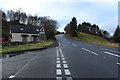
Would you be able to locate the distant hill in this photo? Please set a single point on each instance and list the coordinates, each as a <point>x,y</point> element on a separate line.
<point>84,37</point>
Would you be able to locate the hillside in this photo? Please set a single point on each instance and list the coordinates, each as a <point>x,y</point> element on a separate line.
<point>83,37</point>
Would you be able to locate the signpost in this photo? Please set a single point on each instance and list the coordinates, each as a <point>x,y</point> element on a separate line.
<point>42,33</point>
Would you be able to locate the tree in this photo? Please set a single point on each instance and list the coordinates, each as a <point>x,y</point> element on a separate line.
<point>73,27</point>
<point>116,36</point>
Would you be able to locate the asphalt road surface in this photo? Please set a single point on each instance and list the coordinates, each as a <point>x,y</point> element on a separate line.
<point>72,59</point>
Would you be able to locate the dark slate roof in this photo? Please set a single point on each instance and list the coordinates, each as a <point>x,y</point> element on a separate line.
<point>24,29</point>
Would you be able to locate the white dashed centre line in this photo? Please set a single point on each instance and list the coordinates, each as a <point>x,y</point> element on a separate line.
<point>57,53</point>
<point>74,45</point>
<point>89,51</point>
<point>65,65</point>
<point>67,72</point>
<point>64,62</point>
<point>58,66</point>
<point>58,72</point>
<point>57,61</point>
<point>112,54</point>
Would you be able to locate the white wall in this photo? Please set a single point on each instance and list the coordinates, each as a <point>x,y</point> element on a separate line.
<point>16,37</point>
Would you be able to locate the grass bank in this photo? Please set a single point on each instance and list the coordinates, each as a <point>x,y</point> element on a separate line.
<point>88,38</point>
<point>26,46</point>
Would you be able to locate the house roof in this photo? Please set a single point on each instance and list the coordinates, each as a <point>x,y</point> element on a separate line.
<point>24,29</point>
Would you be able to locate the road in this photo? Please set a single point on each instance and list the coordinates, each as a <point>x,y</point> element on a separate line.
<point>72,59</point>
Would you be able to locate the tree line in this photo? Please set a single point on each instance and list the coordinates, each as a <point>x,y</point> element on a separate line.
<point>20,17</point>
<point>72,29</point>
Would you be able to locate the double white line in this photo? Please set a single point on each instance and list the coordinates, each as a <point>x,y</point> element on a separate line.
<point>60,61</point>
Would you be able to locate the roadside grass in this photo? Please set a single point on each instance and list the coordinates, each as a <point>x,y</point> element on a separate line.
<point>88,38</point>
<point>26,46</point>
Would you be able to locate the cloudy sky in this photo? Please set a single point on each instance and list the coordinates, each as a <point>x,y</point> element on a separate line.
<point>103,13</point>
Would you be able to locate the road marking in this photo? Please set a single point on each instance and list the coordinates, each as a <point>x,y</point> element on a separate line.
<point>60,50</point>
<point>59,43</point>
<point>64,62</point>
<point>57,53</point>
<point>69,78</point>
<point>118,63</point>
<point>62,55</point>
<point>57,61</point>
<point>58,78</point>
<point>12,76</point>
<point>67,72</point>
<point>65,65</point>
<point>74,45</point>
<point>63,58</point>
<point>111,54</point>
<point>111,50</point>
<point>58,72</point>
<point>58,66</point>
<point>58,58</point>
<point>89,51</point>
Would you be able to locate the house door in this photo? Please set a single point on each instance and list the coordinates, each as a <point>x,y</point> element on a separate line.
<point>24,39</point>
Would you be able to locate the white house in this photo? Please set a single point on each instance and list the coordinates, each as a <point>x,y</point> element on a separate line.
<point>23,33</point>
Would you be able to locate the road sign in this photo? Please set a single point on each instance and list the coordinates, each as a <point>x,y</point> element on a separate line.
<point>42,30</point>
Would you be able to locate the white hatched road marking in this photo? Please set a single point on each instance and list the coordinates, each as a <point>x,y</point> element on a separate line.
<point>69,78</point>
<point>64,62</point>
<point>111,54</point>
<point>58,78</point>
<point>58,72</point>
<point>12,76</point>
<point>74,45</point>
<point>67,72</point>
<point>89,51</point>
<point>118,63</point>
<point>65,65</point>
<point>57,61</point>
<point>58,65</point>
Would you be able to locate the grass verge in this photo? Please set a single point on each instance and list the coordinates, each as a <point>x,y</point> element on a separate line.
<point>88,38</point>
<point>26,46</point>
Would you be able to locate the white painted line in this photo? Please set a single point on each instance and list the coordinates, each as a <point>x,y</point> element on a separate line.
<point>67,72</point>
<point>58,58</point>
<point>65,65</point>
<point>57,61</point>
<point>12,76</point>
<point>111,54</point>
<point>60,50</point>
<point>58,72</point>
<point>69,78</point>
<point>111,50</point>
<point>62,55</point>
<point>89,51</point>
<point>74,45</point>
<point>58,78</point>
<point>57,53</point>
<point>58,65</point>
<point>118,63</point>
<point>64,62</point>
<point>63,58</point>
<point>59,43</point>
